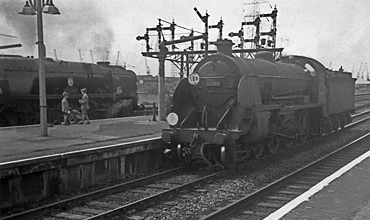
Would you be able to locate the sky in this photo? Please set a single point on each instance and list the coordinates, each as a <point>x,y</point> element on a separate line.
<point>335,32</point>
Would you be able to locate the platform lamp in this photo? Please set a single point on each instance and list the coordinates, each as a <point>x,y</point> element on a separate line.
<point>36,7</point>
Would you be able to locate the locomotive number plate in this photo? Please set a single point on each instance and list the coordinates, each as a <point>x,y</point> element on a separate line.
<point>213,83</point>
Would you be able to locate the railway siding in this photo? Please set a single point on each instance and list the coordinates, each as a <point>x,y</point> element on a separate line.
<point>39,178</point>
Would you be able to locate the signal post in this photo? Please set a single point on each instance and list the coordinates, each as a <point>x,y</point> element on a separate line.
<point>192,57</point>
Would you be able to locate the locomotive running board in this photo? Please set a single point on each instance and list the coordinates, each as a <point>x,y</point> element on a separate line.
<point>206,136</point>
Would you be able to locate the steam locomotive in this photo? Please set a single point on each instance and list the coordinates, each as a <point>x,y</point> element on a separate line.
<point>112,89</point>
<point>230,107</point>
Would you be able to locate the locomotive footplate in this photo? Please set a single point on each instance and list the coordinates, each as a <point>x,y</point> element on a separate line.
<point>188,135</point>
<point>215,147</point>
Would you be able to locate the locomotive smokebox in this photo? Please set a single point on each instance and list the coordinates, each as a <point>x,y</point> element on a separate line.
<point>224,47</point>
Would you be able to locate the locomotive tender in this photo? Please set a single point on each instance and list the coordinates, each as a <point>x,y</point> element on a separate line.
<point>112,89</point>
<point>230,107</point>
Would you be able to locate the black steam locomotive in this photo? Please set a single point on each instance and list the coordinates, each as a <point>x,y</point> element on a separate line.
<point>230,107</point>
<point>112,89</point>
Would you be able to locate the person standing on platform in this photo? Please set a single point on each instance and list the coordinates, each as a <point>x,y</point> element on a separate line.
<point>65,108</point>
<point>84,101</point>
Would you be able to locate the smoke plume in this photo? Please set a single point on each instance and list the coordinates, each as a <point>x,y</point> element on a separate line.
<point>81,25</point>
<point>25,26</point>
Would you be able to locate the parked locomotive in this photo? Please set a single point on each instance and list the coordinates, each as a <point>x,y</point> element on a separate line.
<point>230,107</point>
<point>112,89</point>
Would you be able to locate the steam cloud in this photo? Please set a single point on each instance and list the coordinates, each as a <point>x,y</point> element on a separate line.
<point>336,34</point>
<point>25,26</point>
<point>80,25</point>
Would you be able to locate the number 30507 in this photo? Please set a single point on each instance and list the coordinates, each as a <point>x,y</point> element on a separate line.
<point>213,83</point>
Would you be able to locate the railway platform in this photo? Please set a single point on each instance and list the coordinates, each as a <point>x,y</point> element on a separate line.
<point>23,142</point>
<point>343,195</point>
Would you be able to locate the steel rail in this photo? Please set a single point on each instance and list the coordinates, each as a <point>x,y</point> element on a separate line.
<point>249,200</point>
<point>125,186</point>
<point>163,195</point>
<point>362,94</point>
<point>91,195</point>
<point>360,114</point>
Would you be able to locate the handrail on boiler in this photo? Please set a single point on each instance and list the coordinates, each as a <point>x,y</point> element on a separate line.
<point>183,121</point>
<point>223,117</point>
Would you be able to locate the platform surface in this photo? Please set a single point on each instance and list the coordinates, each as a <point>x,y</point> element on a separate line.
<point>345,197</point>
<point>23,142</point>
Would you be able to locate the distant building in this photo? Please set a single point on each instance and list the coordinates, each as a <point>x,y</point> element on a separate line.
<point>148,87</point>
<point>149,84</point>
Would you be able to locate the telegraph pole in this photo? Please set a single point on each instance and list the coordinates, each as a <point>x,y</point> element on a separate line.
<point>161,81</point>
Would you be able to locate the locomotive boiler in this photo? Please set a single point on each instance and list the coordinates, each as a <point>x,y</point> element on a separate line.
<point>231,107</point>
<point>112,89</point>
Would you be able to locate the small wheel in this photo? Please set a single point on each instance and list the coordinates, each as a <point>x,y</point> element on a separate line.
<point>342,119</point>
<point>335,122</point>
<point>258,150</point>
<point>347,117</point>
<point>177,153</point>
<point>223,155</point>
<point>228,156</point>
<point>272,145</point>
<point>326,126</point>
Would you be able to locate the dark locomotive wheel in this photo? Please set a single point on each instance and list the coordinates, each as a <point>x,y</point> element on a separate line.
<point>223,154</point>
<point>326,126</point>
<point>347,117</point>
<point>272,145</point>
<point>335,122</point>
<point>259,150</point>
<point>180,153</point>
<point>177,155</point>
<point>303,126</point>
<point>315,127</point>
<point>342,120</point>
<point>228,156</point>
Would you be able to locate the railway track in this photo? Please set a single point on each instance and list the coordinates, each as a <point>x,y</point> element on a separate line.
<point>359,106</point>
<point>362,101</point>
<point>120,200</point>
<point>77,200</point>
<point>112,201</point>
<point>265,201</point>
<point>357,115</point>
<point>269,199</point>
<point>220,184</point>
<point>359,95</point>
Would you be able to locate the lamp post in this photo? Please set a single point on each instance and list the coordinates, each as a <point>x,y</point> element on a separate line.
<point>36,9</point>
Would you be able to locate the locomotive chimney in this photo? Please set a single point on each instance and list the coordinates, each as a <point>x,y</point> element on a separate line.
<point>265,55</point>
<point>224,47</point>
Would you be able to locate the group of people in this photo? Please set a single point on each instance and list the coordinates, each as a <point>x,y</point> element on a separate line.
<point>76,115</point>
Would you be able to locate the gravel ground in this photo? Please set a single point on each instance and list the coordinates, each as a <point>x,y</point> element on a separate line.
<point>250,177</point>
